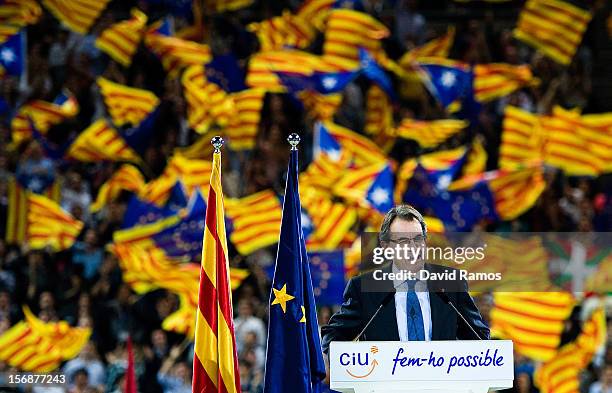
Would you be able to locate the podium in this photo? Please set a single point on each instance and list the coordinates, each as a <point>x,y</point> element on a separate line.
<point>421,366</point>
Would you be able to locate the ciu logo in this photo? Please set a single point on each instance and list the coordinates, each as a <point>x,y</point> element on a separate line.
<point>359,364</point>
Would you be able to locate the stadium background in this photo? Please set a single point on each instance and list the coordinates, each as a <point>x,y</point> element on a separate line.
<point>98,232</point>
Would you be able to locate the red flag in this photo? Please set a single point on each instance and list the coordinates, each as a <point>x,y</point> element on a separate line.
<point>130,375</point>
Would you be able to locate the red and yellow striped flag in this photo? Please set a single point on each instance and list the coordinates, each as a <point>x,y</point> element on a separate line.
<point>215,362</point>
<point>522,139</point>
<point>121,40</point>
<point>101,142</point>
<point>207,103</point>
<point>125,104</point>
<point>579,145</point>
<point>495,80</point>
<point>286,30</point>
<point>198,150</point>
<point>553,27</point>
<point>244,125</point>
<point>15,14</point>
<point>561,374</point>
<point>256,221</point>
<point>438,47</point>
<point>226,5</point>
<point>361,149</point>
<point>128,178</point>
<point>533,321</point>
<point>34,345</point>
<point>175,53</point>
<point>348,30</point>
<point>320,106</point>
<point>379,118</point>
<point>43,115</point>
<point>429,133</point>
<point>49,225</point>
<point>77,15</point>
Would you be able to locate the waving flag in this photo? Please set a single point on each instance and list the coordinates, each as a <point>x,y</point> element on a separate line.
<point>226,5</point>
<point>34,345</point>
<point>335,140</point>
<point>77,15</point>
<point>101,142</point>
<point>294,360</point>
<point>244,125</point>
<point>522,139</point>
<point>215,362</point>
<point>533,323</point>
<point>379,118</point>
<point>16,14</point>
<point>255,221</point>
<point>374,72</point>
<point>561,374</point>
<point>13,56</point>
<point>447,80</point>
<point>316,11</point>
<point>284,31</point>
<point>207,103</point>
<point>370,187</point>
<point>553,27</point>
<point>42,115</point>
<point>127,105</point>
<point>49,225</point>
<point>496,80</point>
<point>121,40</point>
<point>175,53</point>
<point>348,30</point>
<point>128,178</point>
<point>429,133</point>
<point>320,107</point>
<point>438,47</point>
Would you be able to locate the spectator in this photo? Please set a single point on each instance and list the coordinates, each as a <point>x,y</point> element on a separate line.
<point>246,322</point>
<point>95,372</point>
<point>174,376</point>
<point>88,254</point>
<point>35,171</point>
<point>604,384</point>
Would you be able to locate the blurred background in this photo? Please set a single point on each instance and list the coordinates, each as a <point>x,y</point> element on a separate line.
<point>488,116</point>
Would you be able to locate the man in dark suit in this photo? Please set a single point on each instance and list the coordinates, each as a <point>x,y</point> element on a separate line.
<point>409,314</point>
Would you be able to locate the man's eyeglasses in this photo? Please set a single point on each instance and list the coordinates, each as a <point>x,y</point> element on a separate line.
<point>414,241</point>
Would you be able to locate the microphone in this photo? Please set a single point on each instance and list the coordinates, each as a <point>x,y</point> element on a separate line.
<point>384,302</point>
<point>447,300</point>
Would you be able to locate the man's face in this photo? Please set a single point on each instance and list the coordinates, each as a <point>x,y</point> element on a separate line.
<point>407,235</point>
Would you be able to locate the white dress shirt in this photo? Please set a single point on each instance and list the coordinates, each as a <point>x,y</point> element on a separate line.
<point>401,314</point>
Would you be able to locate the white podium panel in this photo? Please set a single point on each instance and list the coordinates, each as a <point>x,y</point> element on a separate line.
<point>425,366</point>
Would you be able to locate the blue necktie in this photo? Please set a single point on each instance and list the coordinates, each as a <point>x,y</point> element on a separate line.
<point>416,328</point>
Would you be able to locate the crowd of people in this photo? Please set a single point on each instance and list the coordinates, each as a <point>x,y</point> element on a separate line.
<point>83,285</point>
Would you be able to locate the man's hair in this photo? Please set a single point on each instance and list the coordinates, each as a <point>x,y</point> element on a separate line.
<point>404,212</point>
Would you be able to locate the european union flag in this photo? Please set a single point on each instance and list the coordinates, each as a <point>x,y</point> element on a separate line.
<point>459,210</point>
<point>447,81</point>
<point>374,72</point>
<point>327,270</point>
<point>178,198</point>
<point>294,361</point>
<point>139,212</point>
<point>380,193</point>
<point>13,54</point>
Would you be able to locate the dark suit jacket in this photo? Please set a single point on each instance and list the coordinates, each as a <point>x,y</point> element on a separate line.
<point>358,306</point>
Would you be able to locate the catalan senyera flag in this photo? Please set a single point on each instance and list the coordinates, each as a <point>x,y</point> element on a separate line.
<point>323,173</point>
<point>316,11</point>
<point>77,15</point>
<point>579,145</point>
<point>438,47</point>
<point>553,27</point>
<point>191,172</point>
<point>49,225</point>
<point>244,125</point>
<point>43,115</point>
<point>362,150</point>
<point>198,150</point>
<point>495,80</point>
<point>215,362</point>
<point>125,104</point>
<point>379,117</point>
<point>175,53</point>
<point>15,14</point>
<point>286,30</point>
<point>349,30</point>
<point>207,102</point>
<point>121,40</point>
<point>101,142</point>
<point>522,139</point>
<point>127,177</point>
<point>561,374</point>
<point>34,345</point>
<point>429,133</point>
<point>255,220</point>
<point>320,106</point>
<point>533,321</point>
